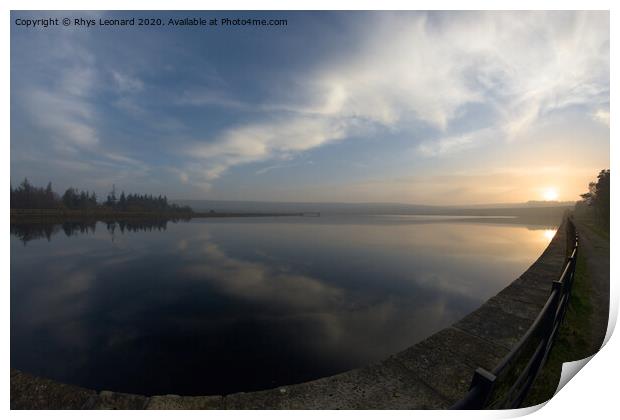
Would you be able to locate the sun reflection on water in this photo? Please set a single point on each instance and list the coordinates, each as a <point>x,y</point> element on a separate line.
<point>549,234</point>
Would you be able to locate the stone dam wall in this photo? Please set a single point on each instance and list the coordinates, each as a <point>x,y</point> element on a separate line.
<point>432,374</point>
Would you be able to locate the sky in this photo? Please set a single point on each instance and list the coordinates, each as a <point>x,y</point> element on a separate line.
<point>409,107</point>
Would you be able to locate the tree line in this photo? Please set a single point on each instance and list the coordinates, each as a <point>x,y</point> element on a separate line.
<point>597,198</point>
<point>28,196</point>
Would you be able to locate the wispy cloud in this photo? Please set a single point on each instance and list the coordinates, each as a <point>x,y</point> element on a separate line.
<point>454,144</point>
<point>270,168</point>
<point>62,101</point>
<point>127,83</point>
<point>262,141</point>
<point>426,69</point>
<point>601,115</point>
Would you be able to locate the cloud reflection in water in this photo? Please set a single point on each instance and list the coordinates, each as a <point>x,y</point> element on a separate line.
<point>223,306</point>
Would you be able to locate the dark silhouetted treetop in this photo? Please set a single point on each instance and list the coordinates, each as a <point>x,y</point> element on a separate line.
<point>27,196</point>
<point>598,197</point>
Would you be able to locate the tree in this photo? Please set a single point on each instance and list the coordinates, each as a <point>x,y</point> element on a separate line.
<point>50,199</point>
<point>122,201</point>
<point>111,200</point>
<point>597,197</point>
<point>70,198</point>
<point>79,200</point>
<point>27,196</point>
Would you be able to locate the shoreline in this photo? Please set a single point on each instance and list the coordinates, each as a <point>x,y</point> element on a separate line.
<point>62,215</point>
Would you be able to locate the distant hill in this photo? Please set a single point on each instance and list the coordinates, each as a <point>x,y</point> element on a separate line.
<point>528,204</point>
<point>533,213</point>
<point>370,208</point>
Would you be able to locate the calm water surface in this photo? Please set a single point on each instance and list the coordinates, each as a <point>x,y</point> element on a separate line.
<point>223,305</point>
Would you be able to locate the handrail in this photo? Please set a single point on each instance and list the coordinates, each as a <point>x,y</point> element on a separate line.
<point>549,319</point>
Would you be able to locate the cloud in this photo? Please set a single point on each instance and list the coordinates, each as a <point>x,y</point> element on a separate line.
<point>602,116</point>
<point>523,65</point>
<point>270,168</point>
<point>427,69</point>
<point>405,67</point>
<point>204,97</point>
<point>60,99</point>
<point>68,119</point>
<point>454,144</point>
<point>253,281</point>
<point>127,83</point>
<point>262,141</point>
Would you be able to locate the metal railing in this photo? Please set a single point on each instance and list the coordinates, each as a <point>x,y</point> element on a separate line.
<point>507,385</point>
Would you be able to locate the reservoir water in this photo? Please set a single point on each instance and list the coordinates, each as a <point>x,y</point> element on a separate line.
<point>214,306</point>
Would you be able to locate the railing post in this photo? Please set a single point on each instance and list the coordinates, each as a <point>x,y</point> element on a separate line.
<point>483,380</point>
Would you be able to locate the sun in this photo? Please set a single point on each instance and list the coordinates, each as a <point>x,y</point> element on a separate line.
<point>550,194</point>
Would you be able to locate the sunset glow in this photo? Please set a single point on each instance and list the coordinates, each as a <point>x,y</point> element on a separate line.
<point>550,194</point>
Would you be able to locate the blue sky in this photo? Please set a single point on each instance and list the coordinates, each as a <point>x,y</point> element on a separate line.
<point>437,108</point>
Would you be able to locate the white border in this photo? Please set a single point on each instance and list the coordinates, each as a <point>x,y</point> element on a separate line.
<point>591,395</point>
